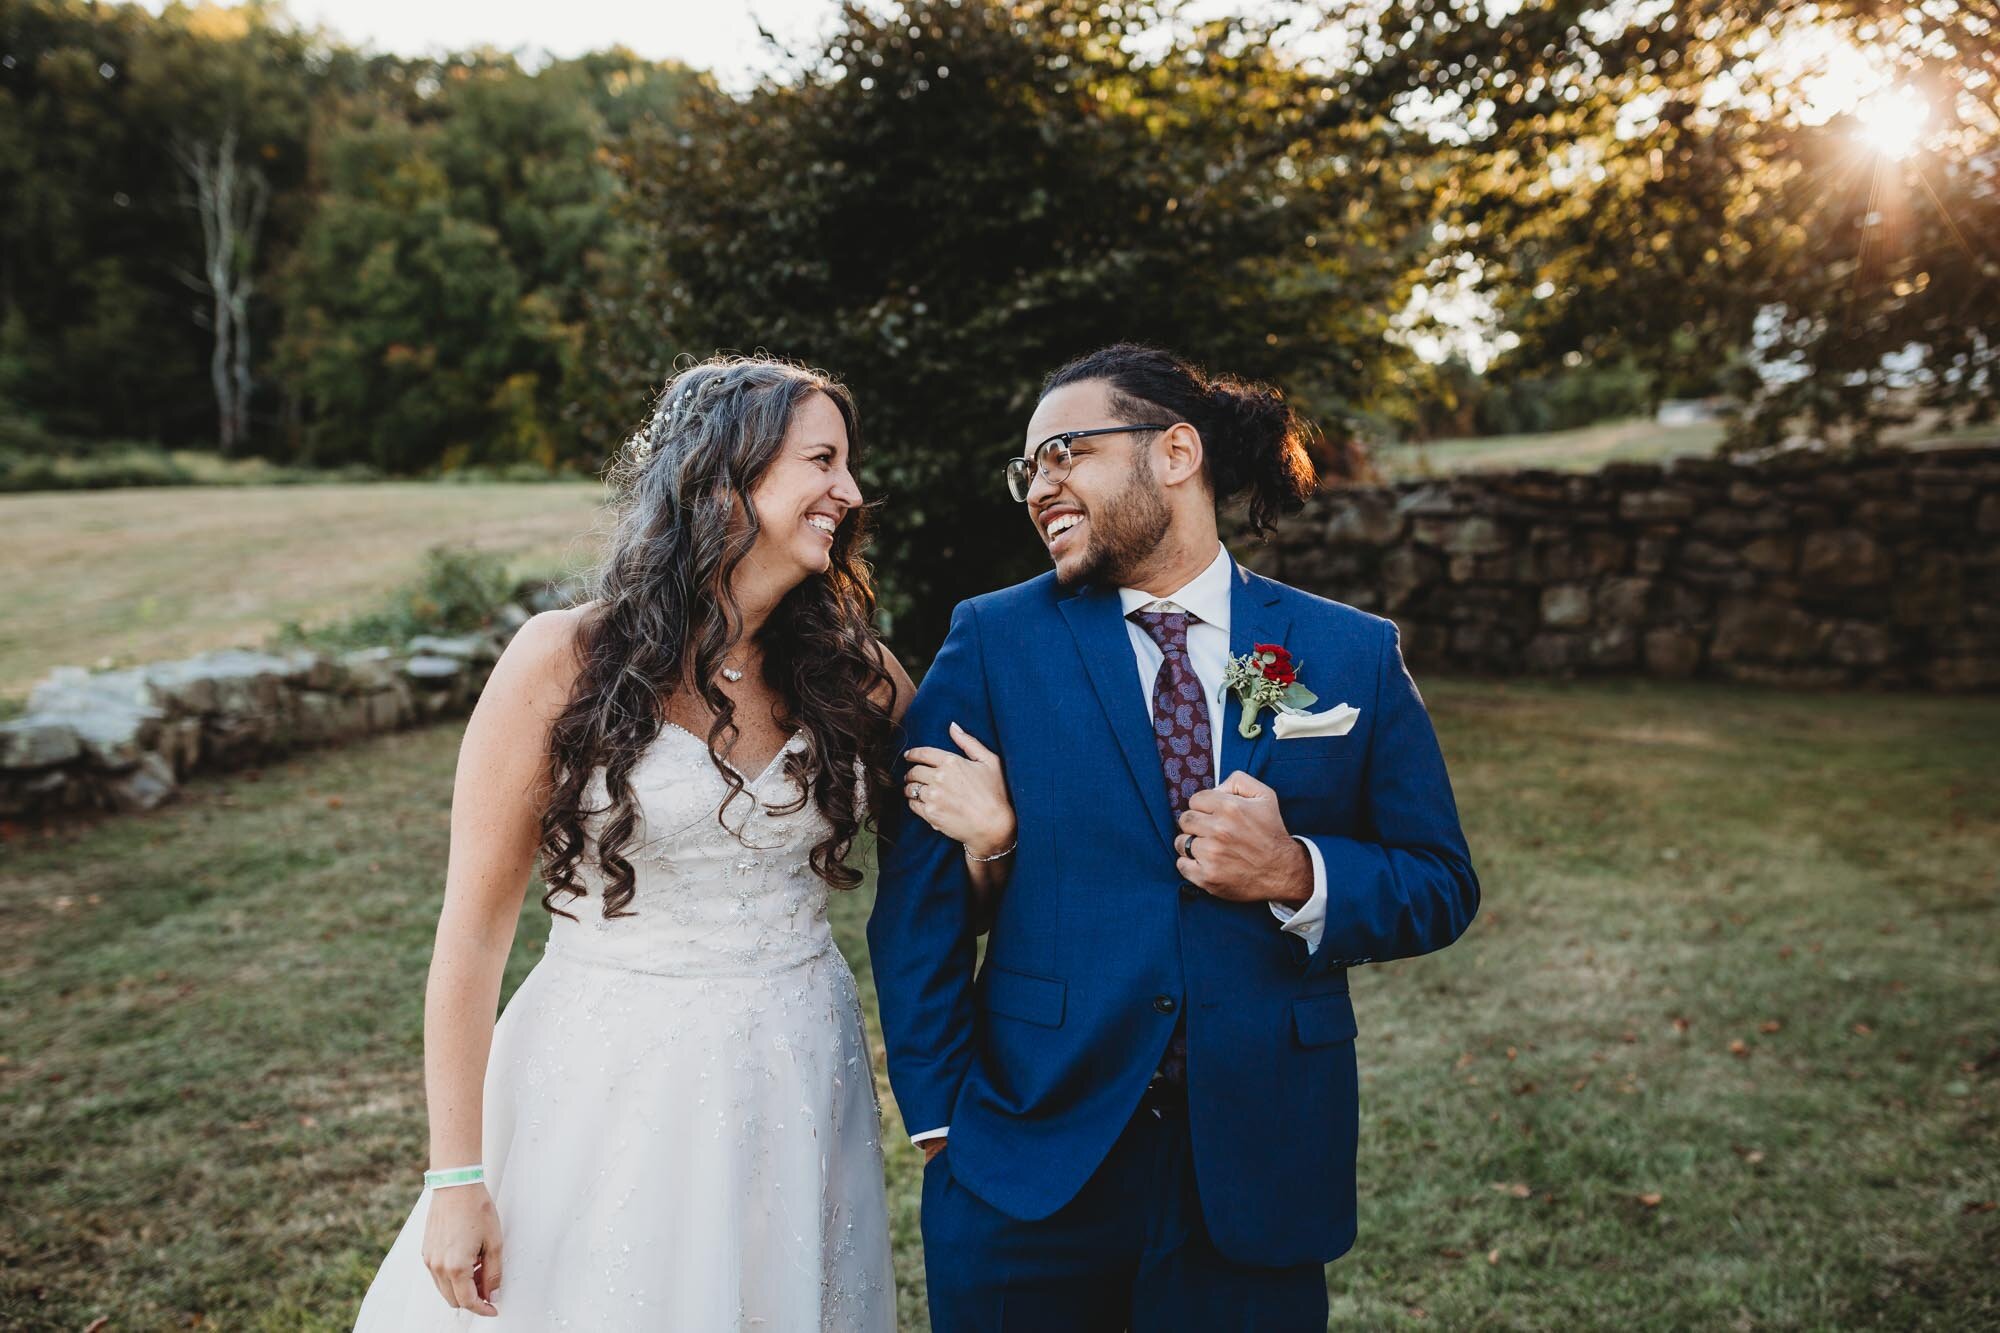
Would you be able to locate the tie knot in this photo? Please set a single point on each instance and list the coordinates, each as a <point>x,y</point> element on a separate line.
<point>1167,628</point>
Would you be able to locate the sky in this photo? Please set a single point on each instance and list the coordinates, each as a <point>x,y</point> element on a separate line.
<point>719,35</point>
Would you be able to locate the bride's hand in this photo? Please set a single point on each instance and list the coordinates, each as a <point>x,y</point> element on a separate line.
<point>463,1233</point>
<point>962,796</point>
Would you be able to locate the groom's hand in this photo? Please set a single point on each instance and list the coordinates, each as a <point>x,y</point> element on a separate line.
<point>931,1147</point>
<point>1241,849</point>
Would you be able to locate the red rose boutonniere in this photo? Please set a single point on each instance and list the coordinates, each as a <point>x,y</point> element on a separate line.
<point>1265,677</point>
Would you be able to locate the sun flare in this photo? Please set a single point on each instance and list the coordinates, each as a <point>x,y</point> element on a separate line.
<point>1833,76</point>
<point>1891,121</point>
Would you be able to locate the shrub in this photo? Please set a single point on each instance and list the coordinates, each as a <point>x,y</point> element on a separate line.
<point>455,593</point>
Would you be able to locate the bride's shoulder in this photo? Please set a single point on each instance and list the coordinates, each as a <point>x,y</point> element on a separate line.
<point>543,649</point>
<point>895,692</point>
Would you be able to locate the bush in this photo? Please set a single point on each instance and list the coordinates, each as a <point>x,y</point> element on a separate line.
<point>107,465</point>
<point>457,592</point>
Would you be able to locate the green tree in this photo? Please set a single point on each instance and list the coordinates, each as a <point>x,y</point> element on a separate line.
<point>433,309</point>
<point>1661,181</point>
<point>953,198</point>
<point>99,334</point>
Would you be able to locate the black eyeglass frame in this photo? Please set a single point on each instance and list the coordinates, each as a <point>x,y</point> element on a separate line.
<point>1020,480</point>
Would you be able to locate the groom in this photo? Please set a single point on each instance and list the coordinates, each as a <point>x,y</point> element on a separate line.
<point>1140,1112</point>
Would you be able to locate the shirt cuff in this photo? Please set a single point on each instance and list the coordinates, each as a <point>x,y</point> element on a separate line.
<point>937,1133</point>
<point>1308,922</point>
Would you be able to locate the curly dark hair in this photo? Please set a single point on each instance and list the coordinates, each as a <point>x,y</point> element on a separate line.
<point>664,614</point>
<point>1253,440</point>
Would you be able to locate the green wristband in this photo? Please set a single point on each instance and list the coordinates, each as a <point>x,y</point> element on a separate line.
<point>458,1175</point>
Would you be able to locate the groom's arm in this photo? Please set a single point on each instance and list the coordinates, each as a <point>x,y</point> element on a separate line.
<point>921,932</point>
<point>1411,888</point>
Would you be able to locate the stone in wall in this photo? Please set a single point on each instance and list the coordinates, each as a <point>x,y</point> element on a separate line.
<point>1804,569</point>
<point>124,740</point>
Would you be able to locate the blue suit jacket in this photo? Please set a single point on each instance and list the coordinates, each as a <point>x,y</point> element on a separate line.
<point>1099,946</point>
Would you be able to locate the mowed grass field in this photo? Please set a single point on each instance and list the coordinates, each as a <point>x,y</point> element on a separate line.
<point>1722,1049</point>
<point>159,572</point>
<point>1628,440</point>
<point>1631,440</point>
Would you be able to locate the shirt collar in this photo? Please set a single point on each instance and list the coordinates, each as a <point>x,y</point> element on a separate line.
<point>1206,595</point>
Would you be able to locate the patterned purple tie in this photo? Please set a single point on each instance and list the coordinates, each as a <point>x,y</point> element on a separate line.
<point>1181,731</point>
<point>1180,712</point>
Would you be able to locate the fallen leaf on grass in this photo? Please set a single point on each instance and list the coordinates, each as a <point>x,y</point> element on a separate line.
<point>1750,1155</point>
<point>96,1324</point>
<point>1451,1254</point>
<point>1740,1049</point>
<point>1651,1200</point>
<point>1493,1256</point>
<point>1514,1188</point>
<point>1862,1029</point>
<point>1979,1206</point>
<point>1770,1025</point>
<point>1681,1024</point>
<point>1527,1088</point>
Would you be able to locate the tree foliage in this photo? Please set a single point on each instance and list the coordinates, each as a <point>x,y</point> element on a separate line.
<point>468,261</point>
<point>953,198</point>
<point>434,301</point>
<point>1669,182</point>
<point>466,193</point>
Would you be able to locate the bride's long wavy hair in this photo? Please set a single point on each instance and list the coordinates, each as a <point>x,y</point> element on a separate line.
<point>665,619</point>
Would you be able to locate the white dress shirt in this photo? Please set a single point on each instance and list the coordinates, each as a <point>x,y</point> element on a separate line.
<point>1206,596</point>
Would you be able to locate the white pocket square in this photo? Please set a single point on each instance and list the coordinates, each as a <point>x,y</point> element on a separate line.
<point>1335,721</point>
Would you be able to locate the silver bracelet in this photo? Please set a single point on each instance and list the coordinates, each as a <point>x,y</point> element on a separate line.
<point>970,855</point>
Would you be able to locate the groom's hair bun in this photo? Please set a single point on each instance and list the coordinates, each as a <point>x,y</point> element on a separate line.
<point>1251,438</point>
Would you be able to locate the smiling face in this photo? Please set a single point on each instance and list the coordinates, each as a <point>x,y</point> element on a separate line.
<point>1105,520</point>
<point>804,495</point>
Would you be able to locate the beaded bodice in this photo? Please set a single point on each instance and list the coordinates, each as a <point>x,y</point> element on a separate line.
<point>709,899</point>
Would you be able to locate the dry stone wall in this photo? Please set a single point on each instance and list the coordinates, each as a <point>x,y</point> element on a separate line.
<point>1803,570</point>
<point>125,740</point>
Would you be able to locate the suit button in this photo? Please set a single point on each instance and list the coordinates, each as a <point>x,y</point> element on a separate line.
<point>1164,1003</point>
<point>1189,891</point>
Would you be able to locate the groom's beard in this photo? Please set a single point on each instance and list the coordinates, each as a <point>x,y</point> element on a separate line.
<point>1123,532</point>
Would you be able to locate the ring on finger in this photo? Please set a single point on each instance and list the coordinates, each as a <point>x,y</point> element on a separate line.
<point>1187,845</point>
<point>915,792</point>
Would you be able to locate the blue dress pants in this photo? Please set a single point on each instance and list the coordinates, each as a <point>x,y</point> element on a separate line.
<point>1130,1252</point>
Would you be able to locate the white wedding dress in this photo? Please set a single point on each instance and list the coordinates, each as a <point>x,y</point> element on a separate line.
<point>681,1128</point>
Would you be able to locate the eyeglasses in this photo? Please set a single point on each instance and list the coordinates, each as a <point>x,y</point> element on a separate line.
<point>1051,459</point>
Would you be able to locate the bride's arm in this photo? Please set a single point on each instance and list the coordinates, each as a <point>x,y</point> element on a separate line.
<point>495,831</point>
<point>964,797</point>
<point>967,806</point>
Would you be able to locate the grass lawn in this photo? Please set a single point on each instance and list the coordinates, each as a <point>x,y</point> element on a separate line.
<point>1627,440</point>
<point>1722,1049</point>
<point>158,572</point>
<point>1585,449</point>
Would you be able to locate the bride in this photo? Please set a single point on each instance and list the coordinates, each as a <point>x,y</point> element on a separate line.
<point>674,1124</point>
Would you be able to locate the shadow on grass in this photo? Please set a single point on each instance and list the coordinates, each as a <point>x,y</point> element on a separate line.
<point>1719,1051</point>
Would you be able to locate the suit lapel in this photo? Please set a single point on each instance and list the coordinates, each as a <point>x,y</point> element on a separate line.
<point>1099,626</point>
<point>1256,615</point>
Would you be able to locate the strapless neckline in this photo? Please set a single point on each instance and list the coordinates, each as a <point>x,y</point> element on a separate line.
<point>762,773</point>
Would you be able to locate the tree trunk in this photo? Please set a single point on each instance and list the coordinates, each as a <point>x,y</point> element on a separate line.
<point>230,200</point>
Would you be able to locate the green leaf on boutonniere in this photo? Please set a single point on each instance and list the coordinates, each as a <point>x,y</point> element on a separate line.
<point>1259,683</point>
